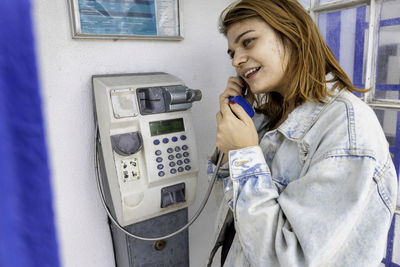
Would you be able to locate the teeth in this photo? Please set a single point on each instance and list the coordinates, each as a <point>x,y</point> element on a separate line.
<point>247,74</point>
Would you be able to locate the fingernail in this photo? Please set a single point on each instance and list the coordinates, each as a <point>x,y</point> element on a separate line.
<point>232,102</point>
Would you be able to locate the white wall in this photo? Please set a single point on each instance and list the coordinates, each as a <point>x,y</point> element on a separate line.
<point>66,67</point>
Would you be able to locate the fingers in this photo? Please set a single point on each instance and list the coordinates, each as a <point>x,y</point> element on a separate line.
<point>219,117</point>
<point>233,88</point>
<point>234,133</point>
<point>225,109</point>
<point>236,84</point>
<point>240,113</point>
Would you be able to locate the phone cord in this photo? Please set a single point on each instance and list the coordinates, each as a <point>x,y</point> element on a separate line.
<point>102,198</point>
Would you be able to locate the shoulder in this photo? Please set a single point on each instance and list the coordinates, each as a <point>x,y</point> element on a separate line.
<point>354,130</point>
<point>351,124</point>
<point>343,124</point>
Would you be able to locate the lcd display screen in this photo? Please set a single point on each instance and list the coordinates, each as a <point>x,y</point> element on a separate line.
<point>166,127</point>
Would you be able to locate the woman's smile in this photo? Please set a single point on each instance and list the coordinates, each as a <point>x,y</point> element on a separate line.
<point>249,73</point>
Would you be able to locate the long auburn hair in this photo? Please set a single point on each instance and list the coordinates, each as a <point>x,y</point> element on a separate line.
<point>310,59</point>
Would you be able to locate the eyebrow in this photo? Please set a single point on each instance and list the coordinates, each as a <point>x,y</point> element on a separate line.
<point>238,38</point>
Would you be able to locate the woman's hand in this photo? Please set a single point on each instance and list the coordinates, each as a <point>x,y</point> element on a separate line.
<point>234,132</point>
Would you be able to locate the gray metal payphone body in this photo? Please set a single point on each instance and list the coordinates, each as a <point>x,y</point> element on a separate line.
<point>148,162</point>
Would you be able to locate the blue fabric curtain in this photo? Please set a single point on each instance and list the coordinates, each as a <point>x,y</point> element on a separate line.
<point>27,230</point>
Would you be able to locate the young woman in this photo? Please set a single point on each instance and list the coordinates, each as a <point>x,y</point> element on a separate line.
<point>309,181</point>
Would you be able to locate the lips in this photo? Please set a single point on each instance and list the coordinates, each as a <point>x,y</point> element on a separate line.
<point>248,73</point>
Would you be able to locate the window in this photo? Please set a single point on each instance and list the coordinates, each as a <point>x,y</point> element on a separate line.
<point>364,35</point>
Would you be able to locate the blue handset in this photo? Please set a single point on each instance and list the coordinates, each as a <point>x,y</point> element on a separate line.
<point>244,103</point>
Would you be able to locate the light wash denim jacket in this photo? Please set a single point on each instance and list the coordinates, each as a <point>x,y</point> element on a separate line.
<point>320,190</point>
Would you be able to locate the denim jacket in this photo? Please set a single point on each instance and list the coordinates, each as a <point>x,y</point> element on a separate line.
<point>320,190</point>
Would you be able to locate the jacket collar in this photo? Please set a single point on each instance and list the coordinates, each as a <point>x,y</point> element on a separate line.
<point>302,118</point>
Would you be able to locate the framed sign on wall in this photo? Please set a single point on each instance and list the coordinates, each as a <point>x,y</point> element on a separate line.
<point>126,19</point>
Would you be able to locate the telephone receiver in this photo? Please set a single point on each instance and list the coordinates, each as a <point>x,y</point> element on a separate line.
<point>242,101</point>
<point>245,88</point>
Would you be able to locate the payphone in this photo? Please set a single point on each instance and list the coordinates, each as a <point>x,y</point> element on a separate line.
<point>146,165</point>
<point>146,155</point>
<point>147,143</point>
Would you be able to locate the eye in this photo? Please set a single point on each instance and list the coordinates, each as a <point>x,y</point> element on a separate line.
<point>247,42</point>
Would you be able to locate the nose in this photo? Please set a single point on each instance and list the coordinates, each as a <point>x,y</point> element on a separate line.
<point>238,59</point>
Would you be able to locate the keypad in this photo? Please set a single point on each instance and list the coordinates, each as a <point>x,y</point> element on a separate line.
<point>171,155</point>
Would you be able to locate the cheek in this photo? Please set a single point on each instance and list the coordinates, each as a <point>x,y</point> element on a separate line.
<point>278,62</point>
<point>274,64</point>
<point>280,54</point>
<point>273,58</point>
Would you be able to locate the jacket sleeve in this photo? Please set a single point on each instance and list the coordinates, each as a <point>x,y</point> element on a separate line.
<point>260,122</point>
<point>325,218</point>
